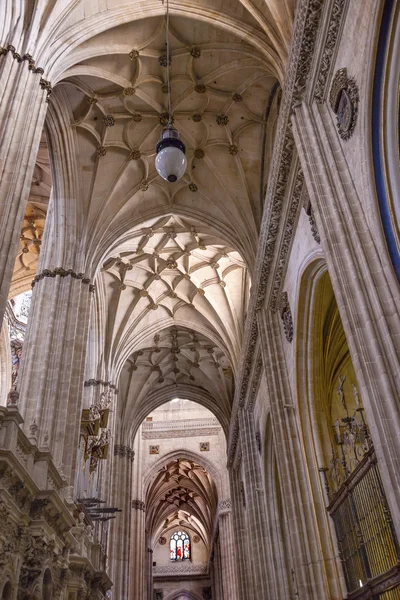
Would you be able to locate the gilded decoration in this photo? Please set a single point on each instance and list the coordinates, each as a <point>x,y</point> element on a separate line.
<point>95,434</point>
<point>343,99</point>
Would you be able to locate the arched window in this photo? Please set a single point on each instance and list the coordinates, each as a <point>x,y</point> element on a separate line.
<point>180,546</point>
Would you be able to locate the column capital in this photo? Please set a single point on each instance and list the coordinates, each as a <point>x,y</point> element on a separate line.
<point>63,273</point>
<point>124,452</point>
<point>224,506</point>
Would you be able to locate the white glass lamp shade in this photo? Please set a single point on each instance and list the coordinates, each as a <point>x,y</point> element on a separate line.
<point>171,160</point>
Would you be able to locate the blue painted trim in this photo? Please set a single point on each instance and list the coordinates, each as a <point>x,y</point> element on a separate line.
<point>377,107</point>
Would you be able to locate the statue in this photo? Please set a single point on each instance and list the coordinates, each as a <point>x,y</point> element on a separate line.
<point>16,352</point>
<point>340,392</point>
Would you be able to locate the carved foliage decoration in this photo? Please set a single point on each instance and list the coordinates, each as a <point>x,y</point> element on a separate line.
<point>286,316</point>
<point>329,48</point>
<point>343,99</point>
<point>310,213</point>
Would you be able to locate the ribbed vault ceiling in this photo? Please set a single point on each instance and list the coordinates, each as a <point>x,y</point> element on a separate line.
<point>182,493</point>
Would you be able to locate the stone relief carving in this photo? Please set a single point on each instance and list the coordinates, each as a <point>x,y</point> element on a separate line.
<point>343,99</point>
<point>62,273</point>
<point>286,242</point>
<point>138,505</point>
<point>329,48</point>
<point>310,213</point>
<point>225,506</point>
<point>286,316</point>
<point>124,451</point>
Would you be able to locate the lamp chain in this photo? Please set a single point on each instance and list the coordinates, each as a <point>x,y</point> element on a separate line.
<point>168,76</point>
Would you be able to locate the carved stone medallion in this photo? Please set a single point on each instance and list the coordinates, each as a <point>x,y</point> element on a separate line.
<point>343,99</point>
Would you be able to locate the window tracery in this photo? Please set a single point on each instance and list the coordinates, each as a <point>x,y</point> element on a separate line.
<point>180,546</point>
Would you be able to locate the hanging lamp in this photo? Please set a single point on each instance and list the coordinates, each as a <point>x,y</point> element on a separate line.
<point>171,152</point>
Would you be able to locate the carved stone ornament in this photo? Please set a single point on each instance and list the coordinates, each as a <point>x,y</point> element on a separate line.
<point>310,213</point>
<point>286,316</point>
<point>158,594</point>
<point>196,539</point>
<point>124,452</point>
<point>134,54</point>
<point>138,505</point>
<point>225,506</point>
<point>162,541</point>
<point>343,99</point>
<point>195,52</point>
<point>222,119</point>
<point>337,11</point>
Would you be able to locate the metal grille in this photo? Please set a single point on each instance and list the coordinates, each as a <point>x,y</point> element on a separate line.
<point>391,594</point>
<point>366,537</point>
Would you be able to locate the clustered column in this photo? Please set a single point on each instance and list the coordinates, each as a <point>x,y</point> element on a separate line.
<point>253,497</point>
<point>120,536</point>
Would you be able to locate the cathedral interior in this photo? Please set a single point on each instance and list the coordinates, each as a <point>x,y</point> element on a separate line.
<point>199,300</point>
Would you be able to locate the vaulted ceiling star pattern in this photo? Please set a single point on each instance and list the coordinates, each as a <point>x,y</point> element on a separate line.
<point>221,90</point>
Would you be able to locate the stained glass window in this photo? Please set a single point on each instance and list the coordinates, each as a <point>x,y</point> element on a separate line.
<point>179,547</point>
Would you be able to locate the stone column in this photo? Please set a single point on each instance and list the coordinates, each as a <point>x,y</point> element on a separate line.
<point>51,375</point>
<point>22,112</point>
<point>120,541</point>
<point>241,539</point>
<point>253,498</point>
<point>139,554</point>
<point>216,572</point>
<point>227,551</point>
<point>310,565</point>
<point>364,283</point>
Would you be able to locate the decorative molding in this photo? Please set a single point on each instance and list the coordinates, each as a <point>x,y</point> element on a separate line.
<point>124,452</point>
<point>255,383</point>
<point>286,316</point>
<point>46,85</point>
<point>287,238</point>
<point>225,506</point>
<point>138,505</point>
<point>343,100</point>
<point>179,433</point>
<point>180,568</point>
<point>306,26</point>
<point>311,217</point>
<point>96,382</point>
<point>335,22</point>
<point>62,273</point>
<point>21,59</point>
